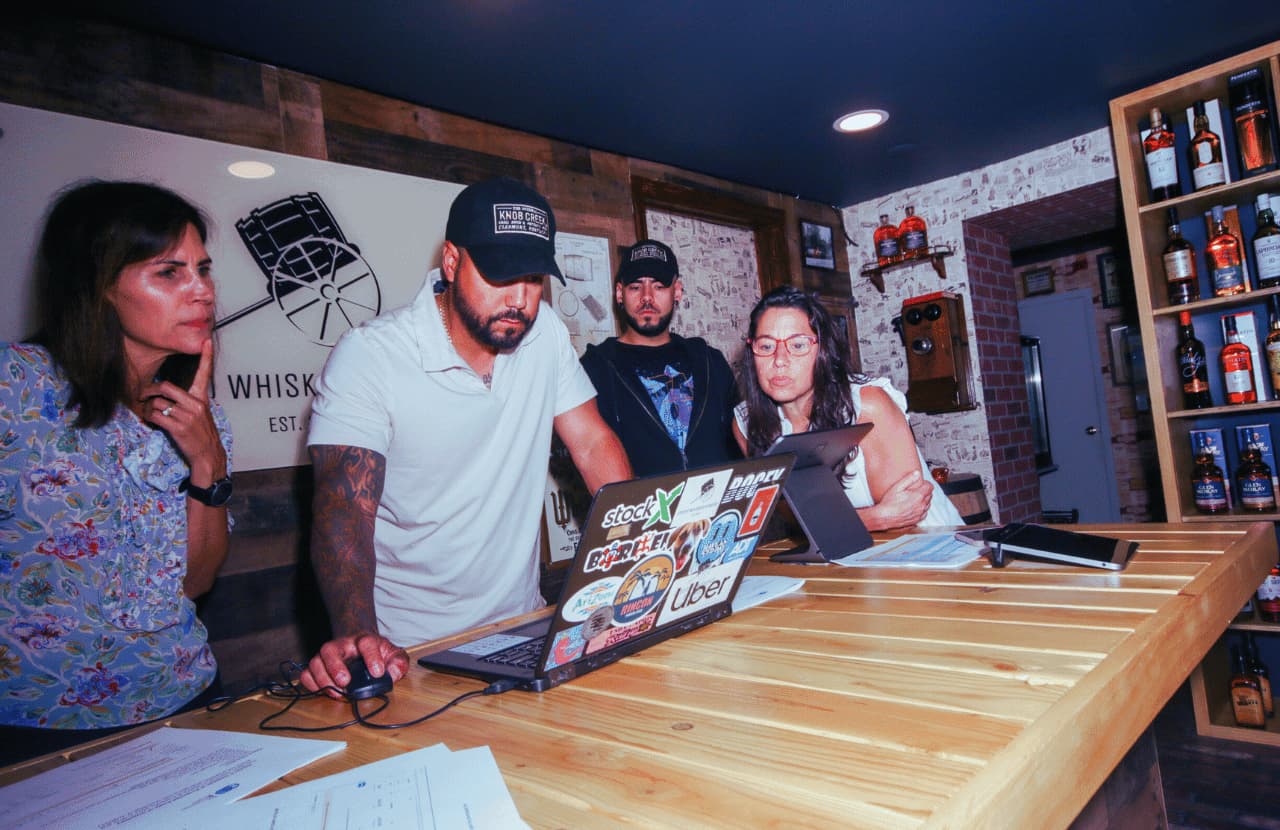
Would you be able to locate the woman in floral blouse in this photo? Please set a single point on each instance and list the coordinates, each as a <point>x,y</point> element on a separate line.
<point>114,471</point>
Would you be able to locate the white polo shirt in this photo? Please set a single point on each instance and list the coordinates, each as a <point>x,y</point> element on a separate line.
<point>456,534</point>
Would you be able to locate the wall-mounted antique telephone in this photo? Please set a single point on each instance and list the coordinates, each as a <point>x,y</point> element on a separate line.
<point>933,330</point>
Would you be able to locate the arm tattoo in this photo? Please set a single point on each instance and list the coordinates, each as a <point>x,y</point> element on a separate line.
<point>348,486</point>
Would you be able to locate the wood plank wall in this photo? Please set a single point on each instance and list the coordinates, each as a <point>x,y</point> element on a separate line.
<point>264,607</point>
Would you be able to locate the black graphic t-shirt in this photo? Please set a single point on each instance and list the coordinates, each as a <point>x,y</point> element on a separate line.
<point>665,373</point>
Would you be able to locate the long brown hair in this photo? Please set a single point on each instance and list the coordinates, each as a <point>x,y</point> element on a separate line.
<point>93,231</point>
<point>832,372</point>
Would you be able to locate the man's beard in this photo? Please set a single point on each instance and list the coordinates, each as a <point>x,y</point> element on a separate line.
<point>481,328</point>
<point>657,327</point>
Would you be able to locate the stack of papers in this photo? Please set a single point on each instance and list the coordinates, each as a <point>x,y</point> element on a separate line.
<point>915,550</point>
<point>190,779</point>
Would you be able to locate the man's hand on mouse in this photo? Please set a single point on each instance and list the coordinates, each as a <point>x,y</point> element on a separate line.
<point>329,667</point>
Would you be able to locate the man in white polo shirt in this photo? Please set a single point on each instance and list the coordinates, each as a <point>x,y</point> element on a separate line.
<point>430,434</point>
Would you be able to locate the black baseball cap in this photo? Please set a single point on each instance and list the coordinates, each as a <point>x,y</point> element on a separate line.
<point>648,258</point>
<point>507,229</point>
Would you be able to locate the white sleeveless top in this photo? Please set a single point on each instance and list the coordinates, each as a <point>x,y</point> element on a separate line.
<point>941,511</point>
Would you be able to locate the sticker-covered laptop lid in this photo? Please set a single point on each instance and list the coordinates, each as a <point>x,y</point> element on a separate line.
<point>659,550</point>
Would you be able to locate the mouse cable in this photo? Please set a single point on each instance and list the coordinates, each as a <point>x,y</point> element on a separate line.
<point>497,687</point>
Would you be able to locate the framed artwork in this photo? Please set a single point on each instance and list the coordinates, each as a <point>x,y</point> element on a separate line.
<point>1109,278</point>
<point>1118,345</point>
<point>841,312</point>
<point>1037,281</point>
<point>818,244</point>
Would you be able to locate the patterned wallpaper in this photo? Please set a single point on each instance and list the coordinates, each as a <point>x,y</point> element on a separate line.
<point>720,276</point>
<point>958,439</point>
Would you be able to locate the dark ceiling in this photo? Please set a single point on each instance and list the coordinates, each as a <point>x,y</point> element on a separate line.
<point>744,90</point>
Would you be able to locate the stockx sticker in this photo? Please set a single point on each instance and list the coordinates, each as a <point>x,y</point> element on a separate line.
<point>643,588</point>
<point>719,539</point>
<point>590,597</point>
<point>567,647</point>
<point>701,497</point>
<point>758,509</point>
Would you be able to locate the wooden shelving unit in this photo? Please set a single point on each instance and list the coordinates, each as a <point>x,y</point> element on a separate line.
<point>1146,225</point>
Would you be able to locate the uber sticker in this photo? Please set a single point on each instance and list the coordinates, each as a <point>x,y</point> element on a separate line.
<point>699,591</point>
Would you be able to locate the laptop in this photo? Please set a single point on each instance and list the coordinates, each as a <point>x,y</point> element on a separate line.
<point>658,557</point>
<point>816,496</point>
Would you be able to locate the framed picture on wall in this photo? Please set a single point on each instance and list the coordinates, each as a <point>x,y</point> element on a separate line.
<point>841,312</point>
<point>1118,344</point>
<point>818,243</point>
<point>1109,278</point>
<point>1037,281</point>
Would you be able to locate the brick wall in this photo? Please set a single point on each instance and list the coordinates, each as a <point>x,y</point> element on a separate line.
<point>995,326</point>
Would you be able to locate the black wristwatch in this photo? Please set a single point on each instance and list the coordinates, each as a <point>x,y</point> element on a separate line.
<point>215,495</point>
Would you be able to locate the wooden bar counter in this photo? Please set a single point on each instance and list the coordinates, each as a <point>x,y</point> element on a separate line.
<point>870,698</point>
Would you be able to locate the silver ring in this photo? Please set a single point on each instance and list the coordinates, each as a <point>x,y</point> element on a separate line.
<point>165,412</point>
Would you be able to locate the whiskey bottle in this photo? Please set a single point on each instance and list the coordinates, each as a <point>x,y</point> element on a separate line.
<point>1162,162</point>
<point>1272,343</point>
<point>913,237</point>
<point>886,242</point>
<point>1246,693</point>
<point>1208,485</point>
<point>1192,366</point>
<point>1223,255</point>
<point>1266,243</point>
<point>1253,120</point>
<point>1237,367</point>
<point>1253,481</point>
<point>1205,153</point>
<point>1259,669</point>
<point>1268,596</point>
<point>1179,260</point>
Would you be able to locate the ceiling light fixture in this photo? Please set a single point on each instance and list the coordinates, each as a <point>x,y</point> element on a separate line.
<point>251,169</point>
<point>856,122</point>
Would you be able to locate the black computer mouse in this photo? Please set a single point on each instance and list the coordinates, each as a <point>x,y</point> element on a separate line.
<point>362,684</point>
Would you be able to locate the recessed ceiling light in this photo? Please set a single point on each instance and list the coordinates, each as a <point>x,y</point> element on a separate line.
<point>251,169</point>
<point>856,122</point>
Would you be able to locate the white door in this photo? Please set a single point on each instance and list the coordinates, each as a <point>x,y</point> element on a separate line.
<point>1075,401</point>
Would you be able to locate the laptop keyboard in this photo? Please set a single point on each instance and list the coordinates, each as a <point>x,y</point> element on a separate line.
<point>522,655</point>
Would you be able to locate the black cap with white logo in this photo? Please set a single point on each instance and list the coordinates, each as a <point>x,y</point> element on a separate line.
<point>507,229</point>
<point>648,258</point>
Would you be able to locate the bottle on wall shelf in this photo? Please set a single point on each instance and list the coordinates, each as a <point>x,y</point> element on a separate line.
<point>1224,257</point>
<point>886,242</point>
<point>1272,343</point>
<point>1179,259</point>
<point>1246,693</point>
<point>1259,669</point>
<point>1253,481</point>
<point>913,237</point>
<point>1208,486</point>
<point>1237,367</point>
<point>1162,161</point>
<point>1266,243</point>
<point>1204,154</point>
<point>1253,121</point>
<point>1268,596</point>
<point>1192,367</point>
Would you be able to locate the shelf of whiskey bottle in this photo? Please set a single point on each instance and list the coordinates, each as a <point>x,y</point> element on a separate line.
<point>1258,295</point>
<point>1256,625</point>
<point>1211,697</point>
<point>1231,409</point>
<point>937,253</point>
<point>1242,192</point>
<point>1190,514</point>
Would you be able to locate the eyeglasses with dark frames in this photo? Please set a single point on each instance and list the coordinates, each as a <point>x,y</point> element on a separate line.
<point>798,345</point>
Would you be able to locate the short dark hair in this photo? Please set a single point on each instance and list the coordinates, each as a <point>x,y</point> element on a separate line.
<point>832,372</point>
<point>92,232</point>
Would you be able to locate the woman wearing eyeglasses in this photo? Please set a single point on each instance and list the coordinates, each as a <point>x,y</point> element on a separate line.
<point>796,377</point>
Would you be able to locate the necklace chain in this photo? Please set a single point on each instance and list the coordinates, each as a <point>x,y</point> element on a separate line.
<point>487,377</point>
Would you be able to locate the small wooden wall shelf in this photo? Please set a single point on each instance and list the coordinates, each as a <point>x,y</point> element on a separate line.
<point>936,254</point>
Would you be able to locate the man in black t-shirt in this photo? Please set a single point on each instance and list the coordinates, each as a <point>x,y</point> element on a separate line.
<point>669,398</point>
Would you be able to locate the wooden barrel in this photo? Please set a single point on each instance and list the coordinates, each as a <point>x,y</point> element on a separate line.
<point>967,494</point>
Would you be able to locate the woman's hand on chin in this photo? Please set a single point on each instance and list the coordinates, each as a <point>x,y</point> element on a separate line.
<point>185,415</point>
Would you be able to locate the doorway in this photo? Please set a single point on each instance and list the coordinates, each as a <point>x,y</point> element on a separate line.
<point>1082,474</point>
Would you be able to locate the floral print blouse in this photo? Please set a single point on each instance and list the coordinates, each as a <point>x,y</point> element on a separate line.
<point>95,630</point>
